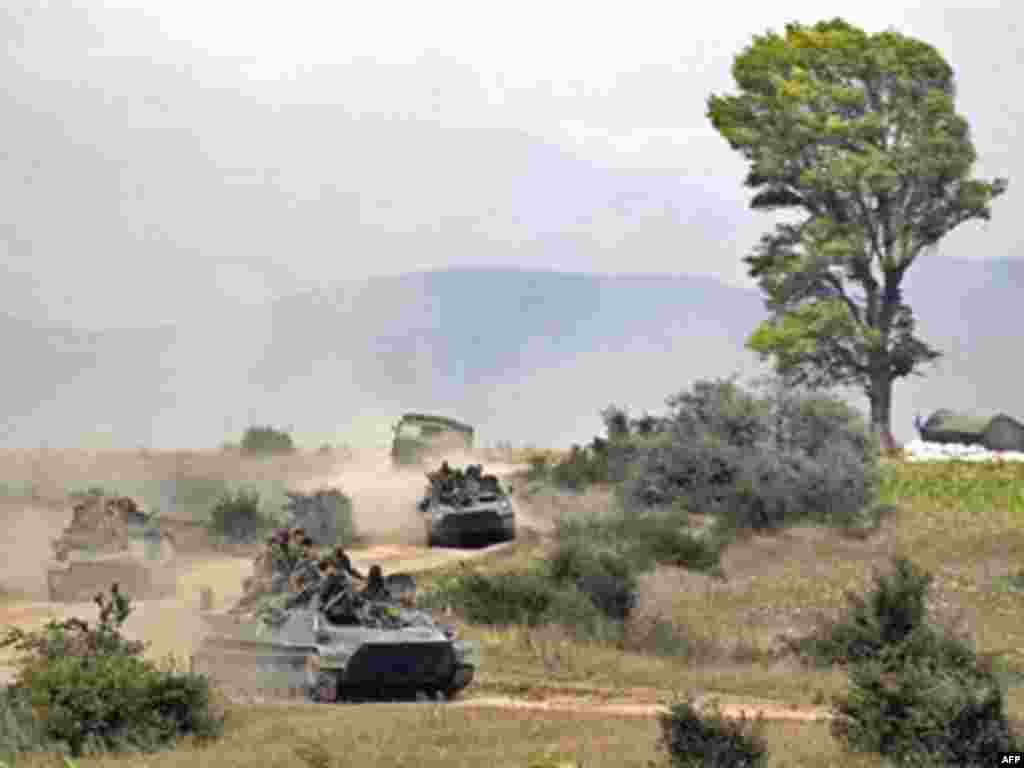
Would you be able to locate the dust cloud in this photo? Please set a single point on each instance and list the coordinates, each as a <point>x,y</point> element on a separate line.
<point>28,528</point>
<point>384,498</point>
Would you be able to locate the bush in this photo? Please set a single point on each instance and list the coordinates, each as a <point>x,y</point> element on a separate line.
<point>762,462</point>
<point>527,598</point>
<point>325,515</point>
<point>895,608</point>
<point>20,731</point>
<point>917,694</point>
<point>645,538</point>
<point>602,574</point>
<point>925,701</point>
<point>712,741</point>
<point>89,689</point>
<point>238,517</point>
<point>266,441</point>
<point>500,599</point>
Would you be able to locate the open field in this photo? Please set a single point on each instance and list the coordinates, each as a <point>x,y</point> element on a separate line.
<point>964,523</point>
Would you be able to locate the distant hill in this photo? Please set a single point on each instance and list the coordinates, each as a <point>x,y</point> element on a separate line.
<point>527,356</point>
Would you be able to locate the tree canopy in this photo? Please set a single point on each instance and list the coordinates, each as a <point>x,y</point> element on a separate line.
<point>858,134</point>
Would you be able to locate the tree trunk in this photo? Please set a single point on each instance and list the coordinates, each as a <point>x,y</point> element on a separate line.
<point>880,396</point>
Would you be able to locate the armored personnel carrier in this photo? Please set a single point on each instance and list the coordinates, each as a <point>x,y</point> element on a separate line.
<point>110,540</point>
<point>465,508</point>
<point>379,648</point>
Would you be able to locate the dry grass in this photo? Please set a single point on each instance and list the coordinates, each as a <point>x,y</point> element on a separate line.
<point>427,736</point>
<point>965,524</point>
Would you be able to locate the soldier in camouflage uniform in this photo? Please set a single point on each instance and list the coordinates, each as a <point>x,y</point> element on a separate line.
<point>305,568</point>
<point>344,564</point>
<point>337,598</point>
<point>376,588</point>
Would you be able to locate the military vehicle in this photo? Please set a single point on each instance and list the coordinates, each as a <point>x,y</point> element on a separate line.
<point>463,512</point>
<point>110,540</point>
<point>420,436</point>
<point>377,649</point>
<point>994,433</point>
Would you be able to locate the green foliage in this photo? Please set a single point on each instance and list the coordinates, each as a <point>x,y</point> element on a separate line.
<point>89,689</point>
<point>924,714</point>
<point>20,731</point>
<point>694,740</point>
<point>918,695</point>
<point>601,573</point>
<point>757,462</point>
<point>605,459</point>
<point>266,441</point>
<point>643,538</point>
<point>894,609</point>
<point>859,133</point>
<point>582,467</point>
<point>499,599</point>
<point>238,517</point>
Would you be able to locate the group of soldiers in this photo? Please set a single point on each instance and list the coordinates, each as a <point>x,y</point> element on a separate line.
<point>458,485</point>
<point>290,567</point>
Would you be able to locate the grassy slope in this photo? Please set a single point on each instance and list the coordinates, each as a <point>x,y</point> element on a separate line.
<point>964,523</point>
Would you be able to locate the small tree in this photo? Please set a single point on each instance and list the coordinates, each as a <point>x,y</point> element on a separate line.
<point>859,133</point>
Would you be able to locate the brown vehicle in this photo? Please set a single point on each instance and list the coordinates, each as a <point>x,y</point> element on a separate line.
<point>110,540</point>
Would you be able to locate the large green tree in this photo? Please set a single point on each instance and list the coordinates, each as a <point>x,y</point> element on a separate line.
<point>858,135</point>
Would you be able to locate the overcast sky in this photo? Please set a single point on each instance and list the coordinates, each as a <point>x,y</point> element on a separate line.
<point>158,156</point>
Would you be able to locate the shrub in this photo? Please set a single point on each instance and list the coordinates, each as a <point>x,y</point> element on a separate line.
<point>711,741</point>
<point>194,494</point>
<point>499,599</point>
<point>925,701</point>
<point>582,467</point>
<point>602,574</point>
<point>762,462</point>
<point>645,538</point>
<point>886,617</point>
<point>237,516</point>
<point>266,441</point>
<point>89,689</point>
<point>326,516</point>
<point>917,694</point>
<point>20,731</point>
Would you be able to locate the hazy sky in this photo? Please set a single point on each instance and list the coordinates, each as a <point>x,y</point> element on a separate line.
<point>158,156</point>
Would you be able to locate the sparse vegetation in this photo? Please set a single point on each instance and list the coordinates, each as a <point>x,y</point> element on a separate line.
<point>88,689</point>
<point>696,740</point>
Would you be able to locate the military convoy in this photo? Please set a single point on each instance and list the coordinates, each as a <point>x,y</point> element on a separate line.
<point>421,436</point>
<point>463,507</point>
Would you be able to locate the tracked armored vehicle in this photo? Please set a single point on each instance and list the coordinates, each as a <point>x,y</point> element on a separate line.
<point>380,649</point>
<point>110,540</point>
<point>458,513</point>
